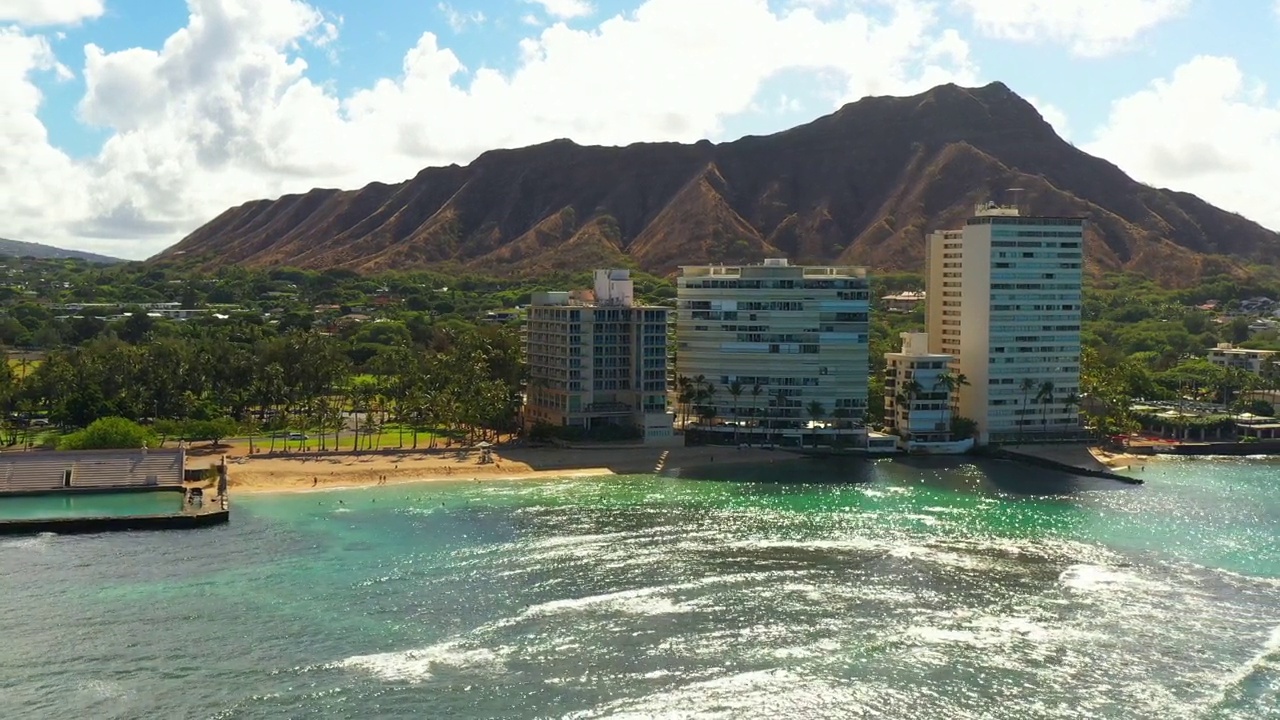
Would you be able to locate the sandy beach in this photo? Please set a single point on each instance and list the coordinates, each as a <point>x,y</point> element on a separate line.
<point>1119,461</point>
<point>308,471</point>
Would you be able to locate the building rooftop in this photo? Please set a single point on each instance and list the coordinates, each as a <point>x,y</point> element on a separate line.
<point>778,267</point>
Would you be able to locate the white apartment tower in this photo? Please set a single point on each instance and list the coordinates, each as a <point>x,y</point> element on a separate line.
<point>1004,297</point>
<point>917,399</point>
<point>598,359</point>
<point>794,338</point>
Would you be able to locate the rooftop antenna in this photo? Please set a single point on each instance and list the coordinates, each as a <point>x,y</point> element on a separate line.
<point>1016,196</point>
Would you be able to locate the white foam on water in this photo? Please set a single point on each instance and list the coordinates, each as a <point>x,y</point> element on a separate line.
<point>35,542</point>
<point>642,601</point>
<point>638,601</point>
<point>415,666</point>
<point>1088,578</point>
<point>862,544</point>
<point>104,689</point>
<point>985,631</point>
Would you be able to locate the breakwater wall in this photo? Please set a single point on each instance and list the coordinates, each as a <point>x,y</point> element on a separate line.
<point>80,526</point>
<point>1074,460</point>
<point>1226,448</point>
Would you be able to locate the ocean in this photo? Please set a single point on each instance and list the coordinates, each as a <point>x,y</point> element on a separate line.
<point>866,589</point>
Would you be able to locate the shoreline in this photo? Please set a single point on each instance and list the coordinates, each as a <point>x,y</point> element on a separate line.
<point>308,473</point>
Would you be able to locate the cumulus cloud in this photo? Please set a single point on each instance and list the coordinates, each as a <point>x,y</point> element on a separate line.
<point>1207,129</point>
<point>565,9</point>
<point>226,111</point>
<point>1090,28</point>
<point>49,12</point>
<point>34,177</point>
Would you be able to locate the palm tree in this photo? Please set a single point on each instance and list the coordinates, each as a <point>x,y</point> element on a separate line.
<point>1072,400</point>
<point>816,411</point>
<point>780,400</point>
<point>902,401</point>
<point>735,389</point>
<point>755,403</point>
<point>684,397</point>
<point>909,391</point>
<point>1044,396</point>
<point>699,385</point>
<point>1026,386</point>
<point>705,396</point>
<point>947,382</point>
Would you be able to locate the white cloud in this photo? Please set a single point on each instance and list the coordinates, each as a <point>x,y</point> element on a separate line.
<point>1090,28</point>
<point>1207,130</point>
<point>225,111</point>
<point>37,181</point>
<point>49,12</point>
<point>1053,115</point>
<point>459,20</point>
<point>565,9</point>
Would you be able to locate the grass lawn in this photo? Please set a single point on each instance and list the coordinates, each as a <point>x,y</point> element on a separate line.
<point>16,366</point>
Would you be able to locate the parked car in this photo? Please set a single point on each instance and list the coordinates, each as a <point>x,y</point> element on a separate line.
<point>298,436</point>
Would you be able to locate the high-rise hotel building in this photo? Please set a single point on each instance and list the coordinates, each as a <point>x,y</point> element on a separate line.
<point>598,359</point>
<point>799,333</point>
<point>1004,296</point>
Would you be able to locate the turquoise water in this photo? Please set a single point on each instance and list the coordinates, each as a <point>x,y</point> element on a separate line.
<point>91,505</point>
<point>924,589</point>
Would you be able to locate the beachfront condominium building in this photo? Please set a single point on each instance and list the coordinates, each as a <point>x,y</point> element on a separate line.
<point>790,341</point>
<point>917,393</point>
<point>1003,299</point>
<point>597,361</point>
<point>1226,355</point>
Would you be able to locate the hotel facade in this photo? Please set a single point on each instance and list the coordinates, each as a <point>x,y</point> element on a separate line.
<point>794,338</point>
<point>597,359</point>
<point>917,400</point>
<point>1004,300</point>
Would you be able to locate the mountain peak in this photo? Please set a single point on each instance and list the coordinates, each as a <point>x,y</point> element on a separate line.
<point>862,185</point>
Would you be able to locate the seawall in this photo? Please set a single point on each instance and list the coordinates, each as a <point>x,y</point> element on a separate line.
<point>1069,458</point>
<point>80,526</point>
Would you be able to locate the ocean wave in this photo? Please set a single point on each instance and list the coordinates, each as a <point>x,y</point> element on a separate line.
<point>1266,658</point>
<point>415,666</point>
<point>757,693</point>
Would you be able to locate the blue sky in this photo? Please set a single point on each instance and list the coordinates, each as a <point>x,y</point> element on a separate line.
<point>146,117</point>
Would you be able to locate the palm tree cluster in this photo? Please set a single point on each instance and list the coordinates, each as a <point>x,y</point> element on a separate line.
<point>301,380</point>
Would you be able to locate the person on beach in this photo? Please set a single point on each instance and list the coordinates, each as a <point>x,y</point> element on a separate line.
<point>314,481</point>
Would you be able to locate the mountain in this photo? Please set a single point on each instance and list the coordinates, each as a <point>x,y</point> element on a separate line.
<point>17,248</point>
<point>863,185</point>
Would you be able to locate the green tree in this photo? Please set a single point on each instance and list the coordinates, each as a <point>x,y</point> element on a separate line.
<point>111,433</point>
